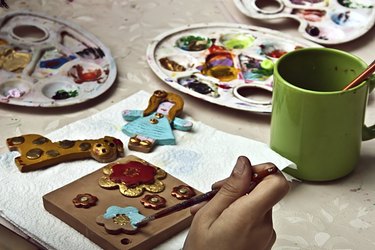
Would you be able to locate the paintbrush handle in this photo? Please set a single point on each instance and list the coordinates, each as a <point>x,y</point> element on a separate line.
<point>185,204</point>
<point>257,177</point>
<point>363,76</point>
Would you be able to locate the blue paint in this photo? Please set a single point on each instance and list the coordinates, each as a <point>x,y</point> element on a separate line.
<point>56,63</point>
<point>131,212</point>
<point>161,131</point>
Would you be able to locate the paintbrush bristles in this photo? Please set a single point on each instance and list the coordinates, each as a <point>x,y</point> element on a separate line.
<point>145,221</point>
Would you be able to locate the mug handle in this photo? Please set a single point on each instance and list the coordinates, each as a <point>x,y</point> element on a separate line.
<point>368,133</point>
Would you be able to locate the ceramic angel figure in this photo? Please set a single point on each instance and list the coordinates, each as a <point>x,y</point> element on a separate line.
<point>154,125</point>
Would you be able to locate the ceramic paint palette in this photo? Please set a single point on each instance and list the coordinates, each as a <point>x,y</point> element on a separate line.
<point>47,62</point>
<point>322,21</point>
<point>226,64</point>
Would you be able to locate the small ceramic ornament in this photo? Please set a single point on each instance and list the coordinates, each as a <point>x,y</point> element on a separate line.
<point>118,220</point>
<point>39,152</point>
<point>154,124</point>
<point>183,192</point>
<point>153,201</point>
<point>85,200</point>
<point>133,177</point>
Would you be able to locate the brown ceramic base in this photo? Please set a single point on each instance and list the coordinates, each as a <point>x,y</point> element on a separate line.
<point>60,204</point>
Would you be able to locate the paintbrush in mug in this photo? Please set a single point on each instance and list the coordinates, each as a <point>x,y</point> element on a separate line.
<point>362,77</point>
<point>257,177</point>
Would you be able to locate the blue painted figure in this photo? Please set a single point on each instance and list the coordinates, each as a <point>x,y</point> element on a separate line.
<point>154,125</point>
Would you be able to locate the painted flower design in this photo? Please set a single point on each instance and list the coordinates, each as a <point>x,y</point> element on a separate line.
<point>183,192</point>
<point>132,173</point>
<point>120,219</point>
<point>133,177</point>
<point>85,200</point>
<point>153,201</point>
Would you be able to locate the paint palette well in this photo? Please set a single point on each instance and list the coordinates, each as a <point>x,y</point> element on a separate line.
<point>47,62</point>
<point>226,64</point>
<point>321,21</point>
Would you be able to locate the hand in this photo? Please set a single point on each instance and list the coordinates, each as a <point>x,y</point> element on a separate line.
<point>235,218</point>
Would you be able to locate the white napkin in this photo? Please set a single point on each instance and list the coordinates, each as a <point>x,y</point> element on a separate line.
<point>201,157</point>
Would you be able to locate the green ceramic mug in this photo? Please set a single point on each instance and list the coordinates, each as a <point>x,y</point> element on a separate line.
<point>314,122</point>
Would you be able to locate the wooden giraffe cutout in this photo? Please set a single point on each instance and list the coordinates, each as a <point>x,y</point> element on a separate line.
<point>38,152</point>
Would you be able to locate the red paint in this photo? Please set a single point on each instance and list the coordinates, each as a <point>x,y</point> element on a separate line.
<point>118,143</point>
<point>276,53</point>
<point>133,174</point>
<point>90,75</point>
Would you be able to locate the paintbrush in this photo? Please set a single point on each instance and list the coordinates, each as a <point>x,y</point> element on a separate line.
<point>257,177</point>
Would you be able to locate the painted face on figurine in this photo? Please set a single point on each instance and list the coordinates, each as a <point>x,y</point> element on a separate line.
<point>164,107</point>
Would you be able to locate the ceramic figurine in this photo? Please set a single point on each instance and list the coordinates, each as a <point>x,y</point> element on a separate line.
<point>133,177</point>
<point>154,125</point>
<point>39,152</point>
<point>85,200</point>
<point>120,219</point>
<point>153,201</point>
<point>183,192</point>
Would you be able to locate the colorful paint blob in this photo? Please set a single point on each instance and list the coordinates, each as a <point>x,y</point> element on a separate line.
<point>237,41</point>
<point>255,69</point>
<point>86,73</point>
<point>56,63</point>
<point>63,94</point>
<point>171,65</point>
<point>193,83</point>
<point>355,4</point>
<point>219,64</point>
<point>14,93</point>
<point>14,60</point>
<point>193,43</point>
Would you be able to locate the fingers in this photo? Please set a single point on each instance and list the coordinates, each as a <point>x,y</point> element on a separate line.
<point>194,209</point>
<point>259,172</point>
<point>235,186</point>
<point>219,184</point>
<point>267,193</point>
<point>270,189</point>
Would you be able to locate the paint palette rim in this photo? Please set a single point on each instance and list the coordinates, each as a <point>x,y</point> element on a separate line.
<point>234,102</point>
<point>38,90</point>
<point>246,7</point>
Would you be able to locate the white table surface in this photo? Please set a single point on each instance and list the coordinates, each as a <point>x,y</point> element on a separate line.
<point>331,215</point>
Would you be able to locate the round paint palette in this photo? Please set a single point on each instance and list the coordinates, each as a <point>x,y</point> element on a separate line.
<point>321,21</point>
<point>46,62</point>
<point>226,64</point>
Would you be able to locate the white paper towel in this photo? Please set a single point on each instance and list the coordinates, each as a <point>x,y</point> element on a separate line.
<point>202,152</point>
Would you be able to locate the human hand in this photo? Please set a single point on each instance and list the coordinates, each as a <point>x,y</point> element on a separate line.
<point>235,218</point>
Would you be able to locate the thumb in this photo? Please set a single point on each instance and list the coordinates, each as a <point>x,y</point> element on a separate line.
<point>235,186</point>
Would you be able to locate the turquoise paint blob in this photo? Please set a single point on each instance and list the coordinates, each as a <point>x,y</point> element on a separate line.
<point>131,212</point>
